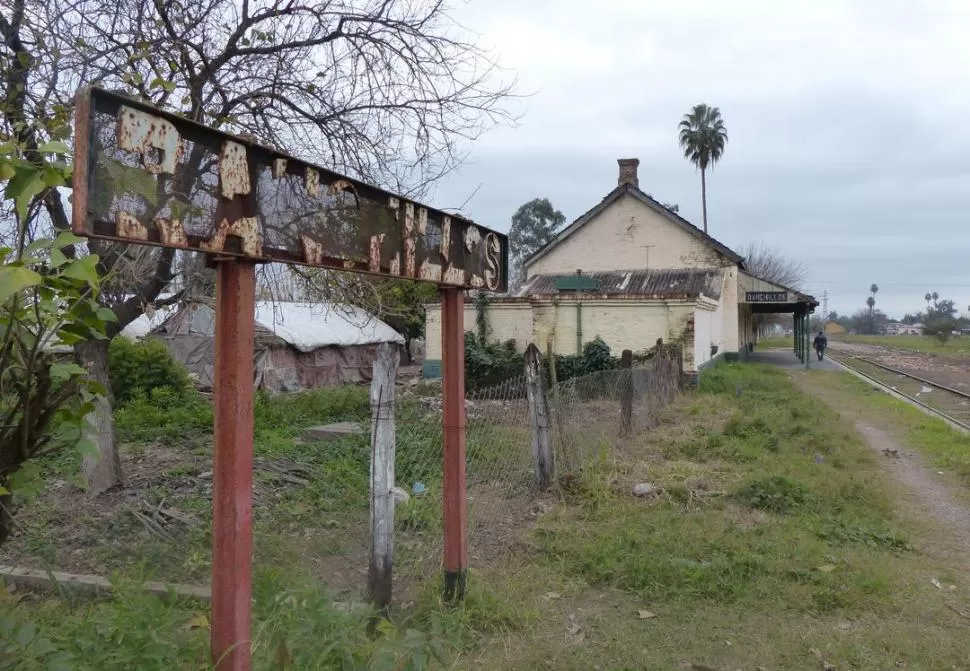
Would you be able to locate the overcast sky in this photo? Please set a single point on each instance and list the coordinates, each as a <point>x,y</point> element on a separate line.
<point>847,120</point>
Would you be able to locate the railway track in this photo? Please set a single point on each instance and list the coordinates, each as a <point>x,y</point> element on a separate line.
<point>952,405</point>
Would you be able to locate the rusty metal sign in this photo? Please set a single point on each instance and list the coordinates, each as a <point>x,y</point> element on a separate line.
<point>146,176</point>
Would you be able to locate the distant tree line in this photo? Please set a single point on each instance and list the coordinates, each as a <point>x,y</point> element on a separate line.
<point>939,319</point>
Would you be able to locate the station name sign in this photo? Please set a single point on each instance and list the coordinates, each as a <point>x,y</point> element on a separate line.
<point>766,296</point>
<point>146,176</point>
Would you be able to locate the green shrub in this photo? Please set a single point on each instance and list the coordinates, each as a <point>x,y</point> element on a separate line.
<point>774,493</point>
<point>490,363</point>
<point>139,367</point>
<point>164,414</point>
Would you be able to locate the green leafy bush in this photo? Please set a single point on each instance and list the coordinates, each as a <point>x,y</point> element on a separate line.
<point>139,367</point>
<point>490,363</point>
<point>774,493</point>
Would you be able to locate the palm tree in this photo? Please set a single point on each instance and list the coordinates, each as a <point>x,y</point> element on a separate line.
<point>871,302</point>
<point>703,136</point>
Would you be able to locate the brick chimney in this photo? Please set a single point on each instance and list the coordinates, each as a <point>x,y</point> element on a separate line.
<point>628,171</point>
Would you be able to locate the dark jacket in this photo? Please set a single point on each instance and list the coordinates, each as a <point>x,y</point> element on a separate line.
<point>820,342</point>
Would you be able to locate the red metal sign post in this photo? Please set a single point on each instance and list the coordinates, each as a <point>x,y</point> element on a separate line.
<point>145,176</point>
<point>453,424</point>
<point>232,472</point>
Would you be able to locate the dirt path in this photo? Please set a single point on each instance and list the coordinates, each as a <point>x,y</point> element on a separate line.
<point>926,492</point>
<point>936,497</point>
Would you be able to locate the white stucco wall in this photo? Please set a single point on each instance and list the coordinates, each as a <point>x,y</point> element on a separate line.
<point>729,310</point>
<point>506,322</point>
<point>628,235</point>
<point>704,319</point>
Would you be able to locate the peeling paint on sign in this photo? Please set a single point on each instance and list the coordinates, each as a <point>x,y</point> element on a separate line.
<point>454,275</point>
<point>340,186</point>
<point>129,227</point>
<point>430,271</point>
<point>409,244</point>
<point>172,232</point>
<point>312,250</point>
<point>276,208</point>
<point>245,228</point>
<point>445,237</point>
<point>422,221</point>
<point>375,252</point>
<point>234,170</point>
<point>472,237</point>
<point>139,132</point>
<point>312,182</point>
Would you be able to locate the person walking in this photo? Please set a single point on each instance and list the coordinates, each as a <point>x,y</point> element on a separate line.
<point>820,343</point>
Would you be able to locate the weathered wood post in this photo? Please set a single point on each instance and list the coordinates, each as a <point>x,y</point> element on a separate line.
<point>626,392</point>
<point>543,461</point>
<point>380,573</point>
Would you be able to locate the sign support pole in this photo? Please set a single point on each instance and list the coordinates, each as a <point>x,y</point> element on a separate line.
<point>232,480</point>
<point>453,425</point>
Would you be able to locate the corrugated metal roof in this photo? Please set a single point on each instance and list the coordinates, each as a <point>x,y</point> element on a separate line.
<point>661,283</point>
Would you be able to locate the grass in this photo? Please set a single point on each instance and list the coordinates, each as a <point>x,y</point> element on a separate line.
<point>773,538</point>
<point>957,346</point>
<point>770,541</point>
<point>787,342</point>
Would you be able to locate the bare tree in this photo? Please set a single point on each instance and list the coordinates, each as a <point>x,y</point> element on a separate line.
<point>385,90</point>
<point>771,265</point>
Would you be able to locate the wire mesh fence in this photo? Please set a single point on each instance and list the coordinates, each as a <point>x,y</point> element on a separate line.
<point>312,493</point>
<point>584,422</point>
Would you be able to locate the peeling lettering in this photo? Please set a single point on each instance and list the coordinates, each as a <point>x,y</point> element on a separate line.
<point>245,228</point>
<point>312,182</point>
<point>340,186</point>
<point>139,132</point>
<point>279,168</point>
<point>422,221</point>
<point>312,250</point>
<point>171,232</point>
<point>493,262</point>
<point>234,170</point>
<point>472,237</point>
<point>430,271</point>
<point>445,236</point>
<point>395,266</point>
<point>375,252</point>
<point>454,275</point>
<point>128,226</point>
<point>410,246</point>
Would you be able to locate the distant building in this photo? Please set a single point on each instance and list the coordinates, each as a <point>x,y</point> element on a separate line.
<point>898,328</point>
<point>631,271</point>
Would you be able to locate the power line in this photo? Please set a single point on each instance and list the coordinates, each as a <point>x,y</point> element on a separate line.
<point>930,284</point>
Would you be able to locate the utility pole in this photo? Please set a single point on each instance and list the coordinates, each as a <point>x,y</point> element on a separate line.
<point>825,305</point>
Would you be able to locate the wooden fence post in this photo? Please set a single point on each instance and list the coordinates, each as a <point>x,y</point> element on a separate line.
<point>543,461</point>
<point>626,392</point>
<point>380,578</point>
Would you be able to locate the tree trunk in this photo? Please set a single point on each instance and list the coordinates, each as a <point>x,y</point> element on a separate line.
<point>6,513</point>
<point>704,196</point>
<point>101,471</point>
<point>408,357</point>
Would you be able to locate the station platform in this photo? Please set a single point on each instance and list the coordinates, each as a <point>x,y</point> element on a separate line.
<point>785,358</point>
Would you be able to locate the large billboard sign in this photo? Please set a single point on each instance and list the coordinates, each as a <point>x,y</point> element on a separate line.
<point>146,176</point>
